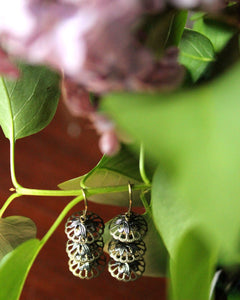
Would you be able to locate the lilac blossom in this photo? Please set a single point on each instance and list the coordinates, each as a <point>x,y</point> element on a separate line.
<point>78,103</point>
<point>6,66</point>
<point>94,45</point>
<point>90,41</point>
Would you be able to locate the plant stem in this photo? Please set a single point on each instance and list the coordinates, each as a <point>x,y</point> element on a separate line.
<point>59,219</point>
<point>12,163</point>
<point>7,203</point>
<point>142,167</point>
<point>90,191</point>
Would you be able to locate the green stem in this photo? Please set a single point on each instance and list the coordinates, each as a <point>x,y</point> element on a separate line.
<point>90,191</point>
<point>12,164</point>
<point>7,203</point>
<point>142,167</point>
<point>59,219</point>
<point>11,139</point>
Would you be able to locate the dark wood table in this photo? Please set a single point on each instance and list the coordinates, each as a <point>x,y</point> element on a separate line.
<point>67,148</point>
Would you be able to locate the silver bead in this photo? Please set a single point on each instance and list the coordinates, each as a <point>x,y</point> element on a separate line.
<point>128,228</point>
<point>126,271</point>
<point>84,229</point>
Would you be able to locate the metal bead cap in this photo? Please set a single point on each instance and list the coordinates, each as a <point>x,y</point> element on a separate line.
<point>87,270</point>
<point>126,271</point>
<point>84,252</point>
<point>128,228</point>
<point>126,252</point>
<point>83,229</point>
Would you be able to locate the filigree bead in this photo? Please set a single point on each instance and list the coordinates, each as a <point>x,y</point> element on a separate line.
<point>84,252</point>
<point>126,271</point>
<point>82,229</point>
<point>87,270</point>
<point>126,252</point>
<point>128,228</point>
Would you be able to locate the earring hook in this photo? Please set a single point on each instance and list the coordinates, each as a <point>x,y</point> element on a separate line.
<point>85,204</point>
<point>130,199</point>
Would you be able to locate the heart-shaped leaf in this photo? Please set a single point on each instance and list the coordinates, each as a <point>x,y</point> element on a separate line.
<point>28,104</point>
<point>195,136</point>
<point>14,268</point>
<point>110,171</point>
<point>196,53</point>
<point>15,230</point>
<point>192,268</point>
<point>192,255</point>
<point>217,32</point>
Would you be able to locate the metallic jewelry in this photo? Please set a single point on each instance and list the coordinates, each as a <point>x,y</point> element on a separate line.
<point>127,247</point>
<point>84,230</point>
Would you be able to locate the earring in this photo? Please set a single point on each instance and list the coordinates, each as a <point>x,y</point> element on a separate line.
<point>84,230</point>
<point>127,248</point>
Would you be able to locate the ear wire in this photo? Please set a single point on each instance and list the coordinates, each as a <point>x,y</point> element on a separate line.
<point>83,218</point>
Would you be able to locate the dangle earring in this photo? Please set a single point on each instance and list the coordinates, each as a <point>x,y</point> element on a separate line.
<point>127,248</point>
<point>84,230</point>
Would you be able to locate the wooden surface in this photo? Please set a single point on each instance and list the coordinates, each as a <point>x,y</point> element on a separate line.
<point>67,148</point>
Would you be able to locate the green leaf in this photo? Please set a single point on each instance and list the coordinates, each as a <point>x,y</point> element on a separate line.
<point>110,171</point>
<point>192,268</point>
<point>195,136</point>
<point>196,53</point>
<point>170,214</point>
<point>28,104</point>
<point>15,230</point>
<point>217,32</point>
<point>156,29</point>
<point>14,268</point>
<point>177,28</point>
<point>156,256</point>
<point>192,256</point>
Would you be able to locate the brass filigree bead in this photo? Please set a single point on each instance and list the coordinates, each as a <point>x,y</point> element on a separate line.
<point>128,228</point>
<point>84,229</point>
<point>87,270</point>
<point>126,271</point>
<point>126,252</point>
<point>84,252</point>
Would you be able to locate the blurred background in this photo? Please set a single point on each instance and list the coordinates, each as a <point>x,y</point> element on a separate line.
<point>67,148</point>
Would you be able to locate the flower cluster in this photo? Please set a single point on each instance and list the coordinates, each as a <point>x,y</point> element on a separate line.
<point>92,43</point>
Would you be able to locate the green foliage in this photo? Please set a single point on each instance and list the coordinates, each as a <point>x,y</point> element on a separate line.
<point>14,268</point>
<point>196,53</point>
<point>192,268</point>
<point>192,255</point>
<point>164,30</point>
<point>217,32</point>
<point>192,138</point>
<point>195,136</point>
<point>110,171</point>
<point>177,28</point>
<point>28,105</point>
<point>15,230</point>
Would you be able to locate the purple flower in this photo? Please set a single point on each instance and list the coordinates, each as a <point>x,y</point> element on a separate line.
<point>6,66</point>
<point>92,42</point>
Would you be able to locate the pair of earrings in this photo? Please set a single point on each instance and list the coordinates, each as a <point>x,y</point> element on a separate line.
<point>126,249</point>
